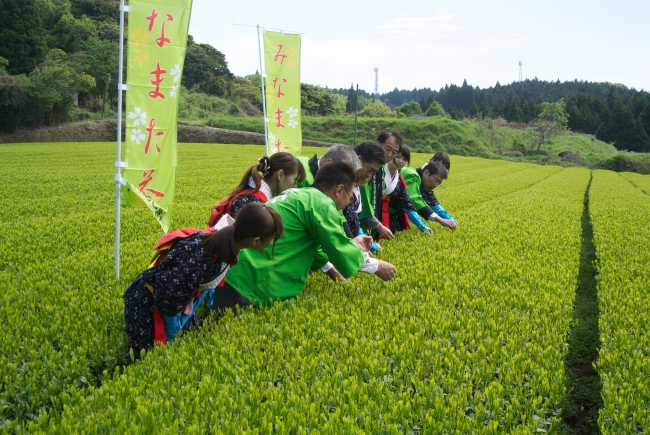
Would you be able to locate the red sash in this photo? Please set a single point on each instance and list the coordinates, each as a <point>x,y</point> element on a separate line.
<point>223,206</point>
<point>385,212</point>
<point>159,335</point>
<point>385,221</point>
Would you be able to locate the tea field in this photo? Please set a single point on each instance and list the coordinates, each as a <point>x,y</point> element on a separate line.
<point>470,336</point>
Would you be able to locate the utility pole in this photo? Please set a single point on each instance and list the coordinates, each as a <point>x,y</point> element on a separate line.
<point>520,74</point>
<point>376,70</point>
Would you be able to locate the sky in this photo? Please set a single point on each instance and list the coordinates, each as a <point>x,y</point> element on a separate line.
<point>418,44</point>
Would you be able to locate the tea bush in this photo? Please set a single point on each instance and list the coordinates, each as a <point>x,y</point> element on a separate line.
<point>619,213</point>
<point>469,337</point>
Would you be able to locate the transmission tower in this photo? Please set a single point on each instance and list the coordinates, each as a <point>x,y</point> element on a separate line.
<point>520,75</point>
<point>376,70</point>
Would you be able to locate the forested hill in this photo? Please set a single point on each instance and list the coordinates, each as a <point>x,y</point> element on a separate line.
<point>536,91</point>
<point>59,62</point>
<point>612,112</point>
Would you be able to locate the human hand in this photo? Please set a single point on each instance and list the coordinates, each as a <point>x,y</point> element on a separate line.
<point>448,223</point>
<point>363,242</point>
<point>386,271</point>
<point>335,275</point>
<point>384,232</point>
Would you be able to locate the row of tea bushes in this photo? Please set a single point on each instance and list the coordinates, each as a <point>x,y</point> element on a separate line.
<point>620,218</point>
<point>485,172</point>
<point>459,163</point>
<point>61,306</point>
<point>482,190</point>
<point>640,181</point>
<point>468,338</point>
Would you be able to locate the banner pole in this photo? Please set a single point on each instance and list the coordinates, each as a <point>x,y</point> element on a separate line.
<point>118,163</point>
<point>266,134</point>
<point>356,111</point>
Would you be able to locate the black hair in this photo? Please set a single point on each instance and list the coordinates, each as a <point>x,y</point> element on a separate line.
<point>385,135</point>
<point>265,170</point>
<point>436,168</point>
<point>443,158</point>
<point>406,153</point>
<point>253,220</point>
<point>333,174</point>
<point>370,152</point>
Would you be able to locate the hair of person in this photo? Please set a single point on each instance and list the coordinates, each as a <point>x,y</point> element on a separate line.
<point>436,168</point>
<point>385,135</point>
<point>443,158</point>
<point>406,153</point>
<point>341,153</point>
<point>370,152</point>
<point>266,169</point>
<point>332,174</point>
<point>253,220</point>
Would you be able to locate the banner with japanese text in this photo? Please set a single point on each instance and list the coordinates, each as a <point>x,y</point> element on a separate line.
<point>156,50</point>
<point>282,83</point>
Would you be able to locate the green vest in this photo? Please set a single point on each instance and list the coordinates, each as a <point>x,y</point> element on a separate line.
<point>309,180</point>
<point>311,220</point>
<point>413,182</point>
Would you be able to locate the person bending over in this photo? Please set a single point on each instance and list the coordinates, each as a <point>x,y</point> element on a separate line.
<point>372,193</point>
<point>175,284</point>
<point>336,153</point>
<point>312,219</point>
<point>426,179</point>
<point>428,195</point>
<point>401,209</point>
<point>260,183</point>
<point>372,158</point>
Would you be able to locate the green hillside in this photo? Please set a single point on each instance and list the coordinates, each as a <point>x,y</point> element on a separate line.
<point>467,138</point>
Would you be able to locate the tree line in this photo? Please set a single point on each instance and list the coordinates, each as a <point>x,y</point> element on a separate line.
<point>59,62</point>
<point>611,112</point>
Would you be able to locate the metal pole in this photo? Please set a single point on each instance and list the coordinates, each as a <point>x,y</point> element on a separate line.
<point>356,111</point>
<point>118,163</point>
<point>266,135</point>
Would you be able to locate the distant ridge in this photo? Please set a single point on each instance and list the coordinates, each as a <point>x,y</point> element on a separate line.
<point>534,90</point>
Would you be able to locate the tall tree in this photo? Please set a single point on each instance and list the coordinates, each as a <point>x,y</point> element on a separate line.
<point>315,100</point>
<point>22,39</point>
<point>411,108</point>
<point>423,104</point>
<point>435,109</point>
<point>620,127</point>
<point>551,120</point>
<point>351,102</point>
<point>474,111</point>
<point>377,109</point>
<point>97,10</point>
<point>70,33</point>
<point>512,112</point>
<point>429,102</point>
<point>455,113</point>
<point>205,69</point>
<point>645,119</point>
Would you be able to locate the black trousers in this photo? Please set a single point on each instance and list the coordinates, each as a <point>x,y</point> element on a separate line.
<point>227,297</point>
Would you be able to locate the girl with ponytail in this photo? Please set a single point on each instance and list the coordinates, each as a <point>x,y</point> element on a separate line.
<point>261,183</point>
<point>157,300</point>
